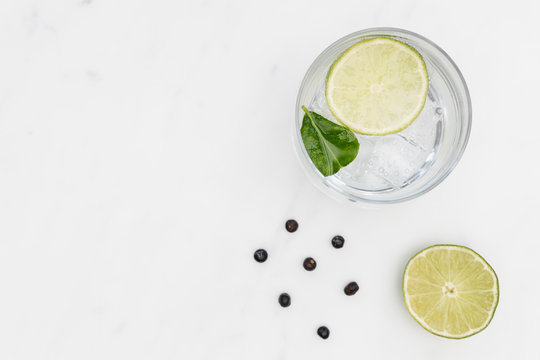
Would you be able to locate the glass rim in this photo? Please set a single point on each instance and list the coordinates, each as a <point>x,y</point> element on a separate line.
<point>466,122</point>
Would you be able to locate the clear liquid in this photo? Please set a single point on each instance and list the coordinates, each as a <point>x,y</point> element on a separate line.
<point>390,162</point>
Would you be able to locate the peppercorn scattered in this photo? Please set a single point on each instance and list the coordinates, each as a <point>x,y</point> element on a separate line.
<point>323,332</point>
<point>338,241</point>
<point>260,255</point>
<point>284,300</point>
<point>310,264</point>
<point>351,288</point>
<point>291,226</point>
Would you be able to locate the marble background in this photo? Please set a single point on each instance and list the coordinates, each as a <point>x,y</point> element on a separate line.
<point>146,152</point>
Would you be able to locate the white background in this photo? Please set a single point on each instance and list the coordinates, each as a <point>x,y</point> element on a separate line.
<point>146,152</point>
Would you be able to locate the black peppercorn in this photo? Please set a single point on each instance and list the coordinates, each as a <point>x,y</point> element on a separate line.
<point>291,226</point>
<point>260,255</point>
<point>323,332</point>
<point>338,241</point>
<point>310,264</point>
<point>351,288</point>
<point>284,300</point>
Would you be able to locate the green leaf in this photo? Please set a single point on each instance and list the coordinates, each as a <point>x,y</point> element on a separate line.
<point>330,146</point>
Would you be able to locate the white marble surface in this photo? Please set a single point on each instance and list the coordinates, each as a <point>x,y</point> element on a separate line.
<point>145,153</point>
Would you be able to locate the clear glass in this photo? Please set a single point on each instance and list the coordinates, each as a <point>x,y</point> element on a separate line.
<point>405,165</point>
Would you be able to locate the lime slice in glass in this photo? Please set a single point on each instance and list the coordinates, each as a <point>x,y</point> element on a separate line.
<point>450,290</point>
<point>377,86</point>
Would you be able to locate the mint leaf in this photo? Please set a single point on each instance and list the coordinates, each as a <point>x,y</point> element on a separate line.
<point>330,146</point>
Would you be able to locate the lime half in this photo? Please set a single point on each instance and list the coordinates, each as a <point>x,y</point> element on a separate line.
<point>450,290</point>
<point>377,86</point>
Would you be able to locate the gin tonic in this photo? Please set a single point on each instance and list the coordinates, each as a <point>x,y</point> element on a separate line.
<point>402,165</point>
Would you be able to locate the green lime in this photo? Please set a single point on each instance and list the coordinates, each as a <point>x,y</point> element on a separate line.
<point>377,86</point>
<point>450,290</point>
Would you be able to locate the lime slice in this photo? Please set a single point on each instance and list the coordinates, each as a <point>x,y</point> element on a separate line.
<point>450,290</point>
<point>377,86</point>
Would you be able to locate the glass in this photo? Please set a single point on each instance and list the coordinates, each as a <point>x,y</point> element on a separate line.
<point>402,166</point>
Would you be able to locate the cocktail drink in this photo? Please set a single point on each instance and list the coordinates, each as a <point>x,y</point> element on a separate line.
<point>404,101</point>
